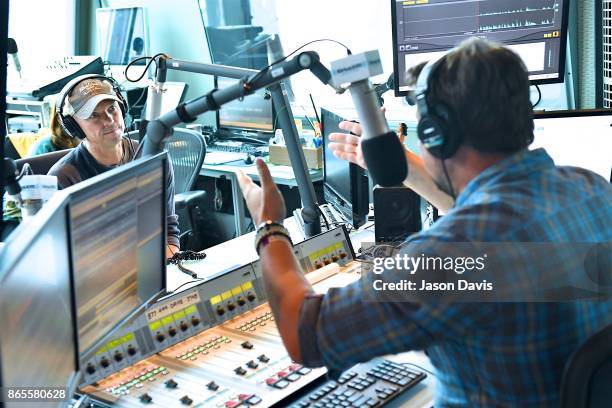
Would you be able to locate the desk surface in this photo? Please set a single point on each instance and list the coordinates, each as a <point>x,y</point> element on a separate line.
<point>280,174</point>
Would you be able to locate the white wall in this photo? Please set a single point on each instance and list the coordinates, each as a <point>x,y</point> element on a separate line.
<point>43,30</point>
<point>360,24</point>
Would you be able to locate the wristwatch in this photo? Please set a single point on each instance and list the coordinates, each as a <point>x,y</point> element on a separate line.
<point>270,230</point>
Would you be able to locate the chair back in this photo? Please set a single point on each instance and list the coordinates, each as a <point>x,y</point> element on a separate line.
<point>42,163</point>
<point>587,378</point>
<point>186,149</point>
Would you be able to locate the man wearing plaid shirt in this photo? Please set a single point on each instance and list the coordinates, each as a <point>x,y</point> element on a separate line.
<point>485,354</point>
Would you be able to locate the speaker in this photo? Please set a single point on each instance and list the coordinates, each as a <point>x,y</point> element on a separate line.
<point>397,213</point>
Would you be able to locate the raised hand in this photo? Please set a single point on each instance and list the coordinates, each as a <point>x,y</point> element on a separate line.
<point>265,202</point>
<point>347,146</point>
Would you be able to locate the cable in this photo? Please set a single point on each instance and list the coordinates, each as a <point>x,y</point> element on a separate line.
<point>539,96</point>
<point>263,70</point>
<point>187,283</point>
<point>130,110</point>
<point>448,180</point>
<point>152,59</point>
<point>188,255</point>
<point>420,368</point>
<point>324,217</point>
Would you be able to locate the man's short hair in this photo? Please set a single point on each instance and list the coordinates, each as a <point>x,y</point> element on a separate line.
<point>486,87</point>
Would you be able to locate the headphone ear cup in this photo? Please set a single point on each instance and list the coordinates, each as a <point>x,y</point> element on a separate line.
<point>431,134</point>
<point>72,127</point>
<point>452,135</point>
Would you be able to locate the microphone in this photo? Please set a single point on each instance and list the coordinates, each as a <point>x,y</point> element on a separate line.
<point>10,179</point>
<point>382,151</point>
<point>11,49</point>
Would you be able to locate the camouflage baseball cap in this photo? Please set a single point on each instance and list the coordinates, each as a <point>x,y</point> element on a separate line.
<point>86,96</point>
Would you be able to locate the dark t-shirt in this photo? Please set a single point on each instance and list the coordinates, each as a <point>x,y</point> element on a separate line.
<point>79,165</point>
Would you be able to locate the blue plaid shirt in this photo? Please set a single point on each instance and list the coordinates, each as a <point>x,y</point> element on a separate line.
<point>485,354</point>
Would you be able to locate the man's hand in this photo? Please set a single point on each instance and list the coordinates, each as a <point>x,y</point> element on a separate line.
<point>346,146</point>
<point>265,202</point>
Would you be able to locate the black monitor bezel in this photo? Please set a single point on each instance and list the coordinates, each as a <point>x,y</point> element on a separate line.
<point>562,51</point>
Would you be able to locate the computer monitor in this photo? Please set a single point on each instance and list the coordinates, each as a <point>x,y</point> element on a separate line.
<point>535,29</point>
<point>123,35</point>
<point>345,185</point>
<point>250,117</point>
<point>243,46</point>
<point>118,239</point>
<point>577,138</point>
<point>37,339</point>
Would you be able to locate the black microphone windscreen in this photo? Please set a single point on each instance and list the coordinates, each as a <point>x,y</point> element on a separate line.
<point>11,46</point>
<point>384,156</point>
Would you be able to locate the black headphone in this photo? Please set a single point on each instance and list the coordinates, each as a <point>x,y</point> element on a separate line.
<point>68,124</point>
<point>437,128</point>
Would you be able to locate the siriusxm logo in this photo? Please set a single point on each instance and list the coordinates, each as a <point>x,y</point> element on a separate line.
<point>349,68</point>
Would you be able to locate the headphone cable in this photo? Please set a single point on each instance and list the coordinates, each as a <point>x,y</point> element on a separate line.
<point>448,180</point>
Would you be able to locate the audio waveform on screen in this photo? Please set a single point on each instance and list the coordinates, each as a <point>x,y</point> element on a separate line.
<point>521,10</point>
<point>514,24</point>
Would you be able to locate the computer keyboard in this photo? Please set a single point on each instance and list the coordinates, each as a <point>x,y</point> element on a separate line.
<point>371,384</point>
<point>237,147</point>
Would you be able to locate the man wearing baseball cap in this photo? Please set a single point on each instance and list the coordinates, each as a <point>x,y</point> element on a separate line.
<point>92,110</point>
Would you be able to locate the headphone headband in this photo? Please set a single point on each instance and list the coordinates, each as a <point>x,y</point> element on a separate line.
<point>436,128</point>
<point>68,123</point>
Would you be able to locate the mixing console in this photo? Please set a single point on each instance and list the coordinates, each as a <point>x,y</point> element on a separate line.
<point>217,345</point>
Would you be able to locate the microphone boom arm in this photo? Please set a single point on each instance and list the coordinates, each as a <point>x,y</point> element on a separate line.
<point>160,128</point>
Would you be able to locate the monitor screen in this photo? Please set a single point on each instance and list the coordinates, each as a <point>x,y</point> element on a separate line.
<point>243,46</point>
<point>576,138</point>
<point>251,114</point>
<point>122,34</point>
<point>335,171</point>
<point>37,340</point>
<point>535,29</point>
<point>345,184</point>
<point>118,234</point>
